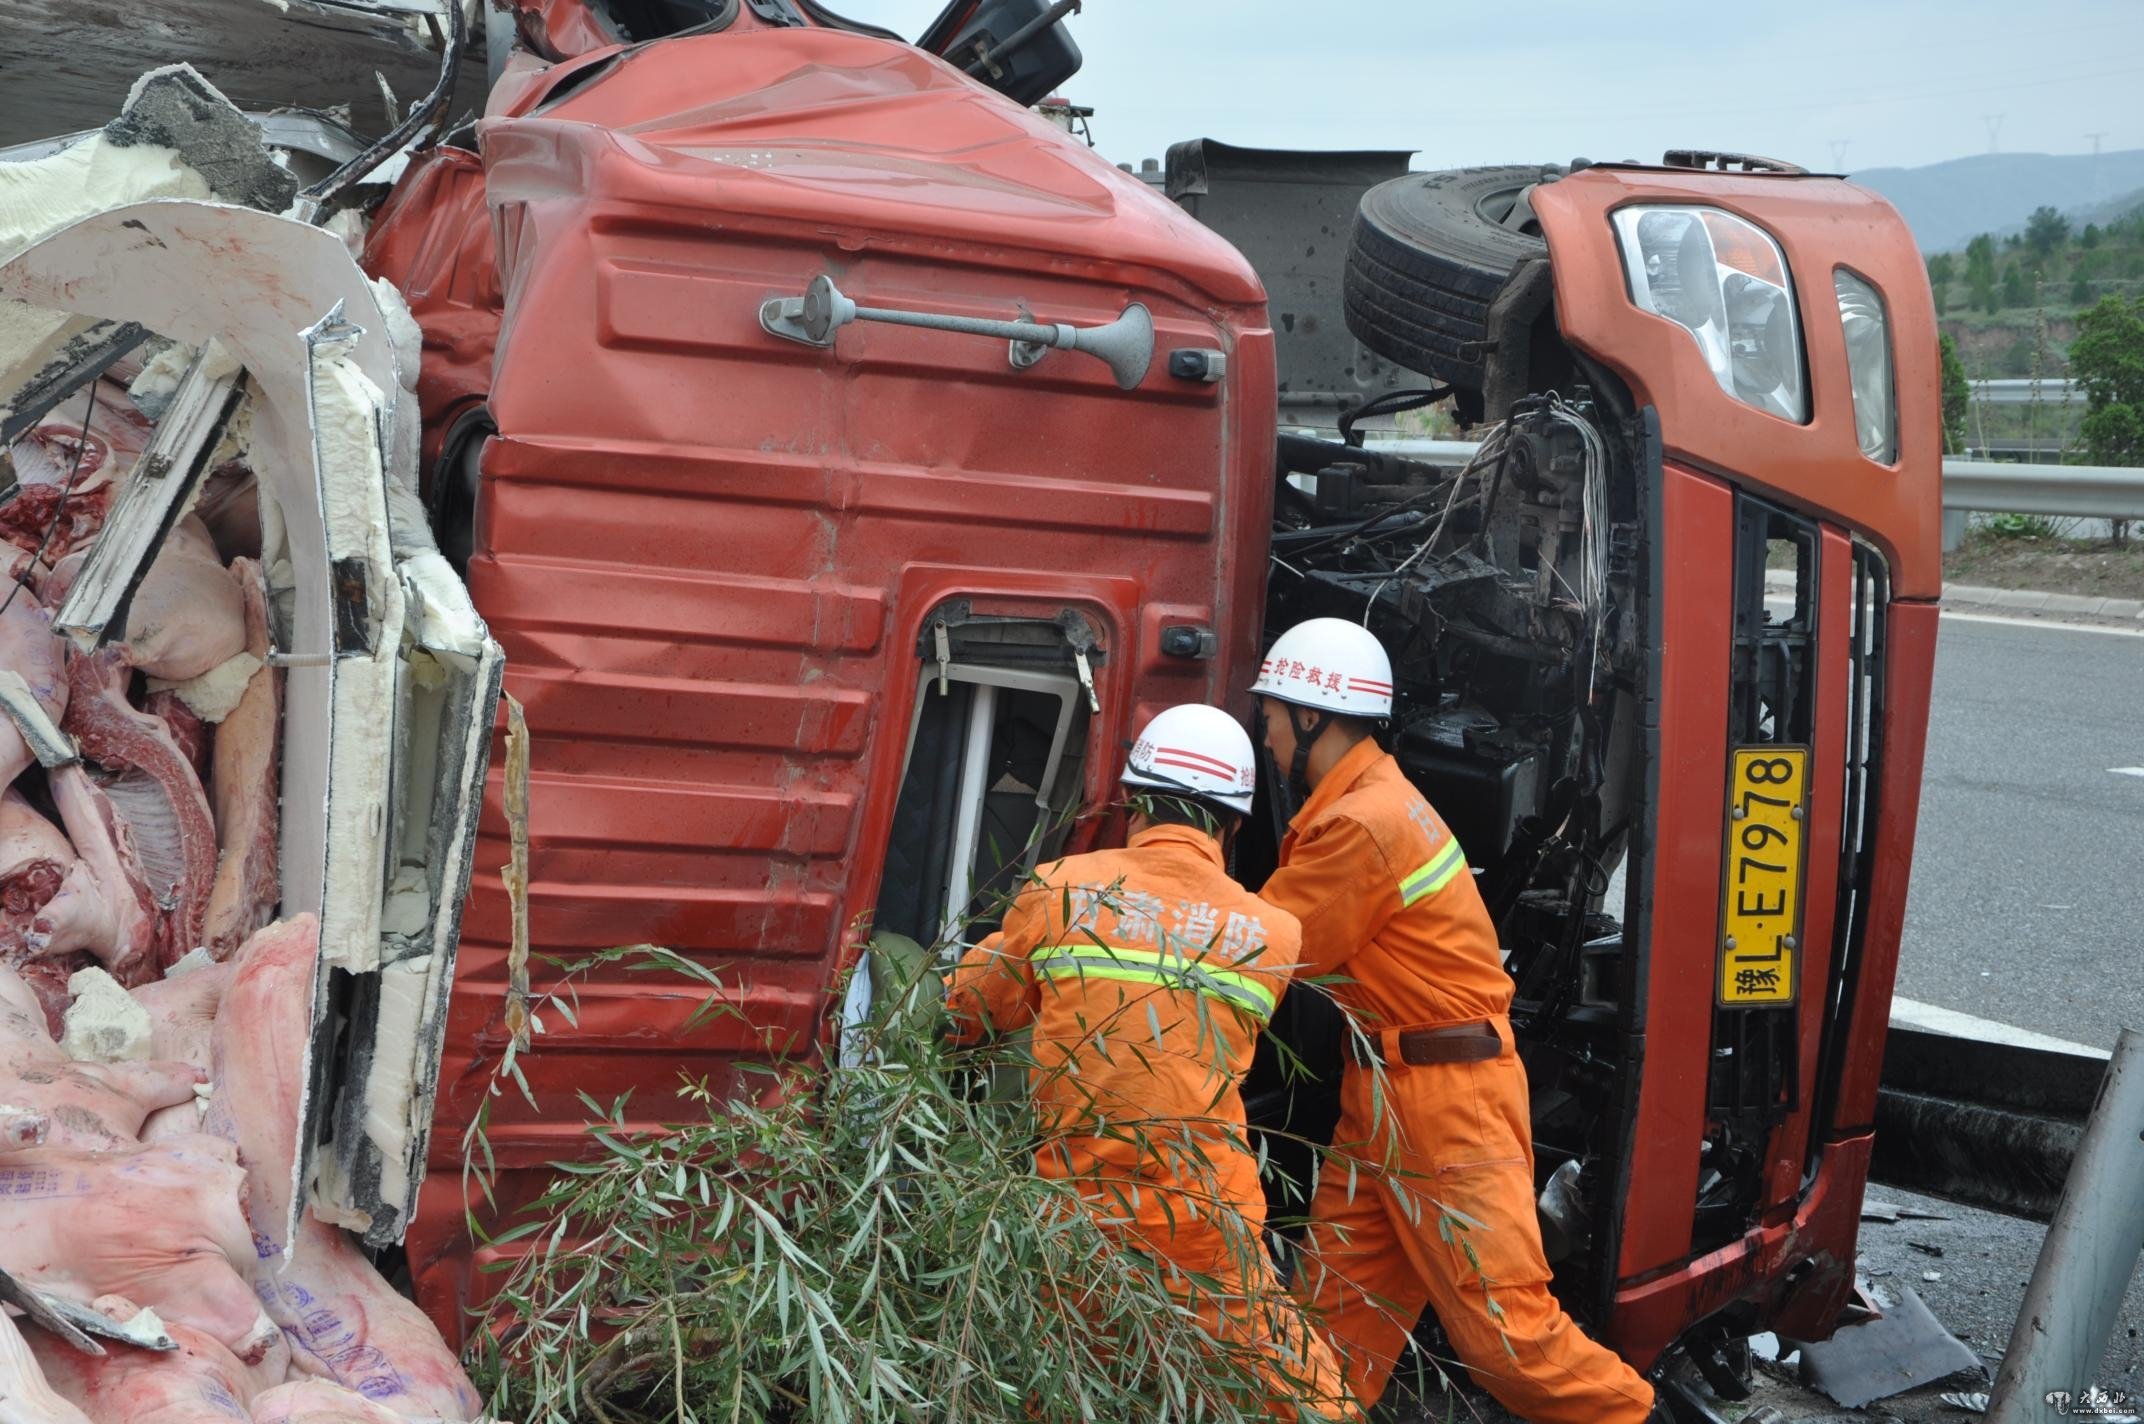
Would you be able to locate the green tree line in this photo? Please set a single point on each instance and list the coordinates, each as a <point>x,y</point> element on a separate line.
<point>2051,264</point>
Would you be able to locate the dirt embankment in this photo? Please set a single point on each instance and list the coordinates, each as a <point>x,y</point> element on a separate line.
<point>2092,567</point>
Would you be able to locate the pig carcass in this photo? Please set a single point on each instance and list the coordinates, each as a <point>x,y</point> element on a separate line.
<point>318,1402</point>
<point>160,1226</point>
<point>26,1397</point>
<point>243,783</point>
<point>96,1107</point>
<point>348,1327</point>
<point>35,859</point>
<point>28,649</point>
<point>153,787</point>
<point>345,1323</point>
<point>67,467</point>
<point>104,905</point>
<point>201,1382</point>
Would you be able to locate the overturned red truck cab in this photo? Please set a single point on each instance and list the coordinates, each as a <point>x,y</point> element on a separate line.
<point>827,622</point>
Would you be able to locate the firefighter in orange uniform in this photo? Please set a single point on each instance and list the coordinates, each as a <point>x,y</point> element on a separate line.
<point>1147,974</point>
<point>1386,904</point>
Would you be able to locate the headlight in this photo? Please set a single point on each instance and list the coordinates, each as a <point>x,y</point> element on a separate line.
<point>1725,282</point>
<point>1868,366</point>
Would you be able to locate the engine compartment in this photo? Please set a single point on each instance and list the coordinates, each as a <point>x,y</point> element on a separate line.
<point>1509,590</point>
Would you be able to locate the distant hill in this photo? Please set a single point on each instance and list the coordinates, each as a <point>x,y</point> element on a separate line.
<point>1947,204</point>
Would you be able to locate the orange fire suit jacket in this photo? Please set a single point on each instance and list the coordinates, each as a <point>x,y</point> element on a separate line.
<point>1146,974</point>
<point>1364,847</point>
<point>1387,904</point>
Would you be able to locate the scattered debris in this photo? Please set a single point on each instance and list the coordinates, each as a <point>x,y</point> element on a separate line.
<point>1976,1403</point>
<point>1905,1349</point>
<point>1926,1248</point>
<point>105,1024</point>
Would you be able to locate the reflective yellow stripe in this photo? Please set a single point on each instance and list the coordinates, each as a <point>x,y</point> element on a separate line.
<point>1145,966</point>
<point>1443,867</point>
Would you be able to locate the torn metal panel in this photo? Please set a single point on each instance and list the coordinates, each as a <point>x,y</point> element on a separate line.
<point>1904,1349</point>
<point>165,478</point>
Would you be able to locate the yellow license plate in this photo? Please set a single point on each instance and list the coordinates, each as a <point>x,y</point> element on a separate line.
<point>1761,876</point>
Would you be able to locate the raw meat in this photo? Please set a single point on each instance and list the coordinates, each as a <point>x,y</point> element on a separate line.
<point>230,507</point>
<point>348,1326</point>
<point>45,463</point>
<point>155,790</point>
<point>28,649</point>
<point>258,1051</point>
<point>160,1225</point>
<point>22,1016</point>
<point>188,732</point>
<point>96,1107</point>
<point>345,1323</point>
<point>186,617</point>
<point>182,1017</point>
<point>201,1382</point>
<point>104,904</point>
<point>25,1397</point>
<point>182,1012</point>
<point>316,1402</point>
<point>244,782</point>
<point>34,859</point>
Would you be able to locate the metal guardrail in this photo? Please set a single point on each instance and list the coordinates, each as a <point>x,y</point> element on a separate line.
<point>1991,486</point>
<point>2047,390</point>
<point>2074,491</point>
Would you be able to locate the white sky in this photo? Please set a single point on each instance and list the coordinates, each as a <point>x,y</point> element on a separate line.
<point>1901,84</point>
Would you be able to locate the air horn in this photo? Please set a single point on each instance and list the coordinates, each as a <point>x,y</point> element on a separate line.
<point>1125,346</point>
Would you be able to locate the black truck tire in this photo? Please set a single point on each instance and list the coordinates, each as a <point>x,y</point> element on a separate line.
<point>1428,256</point>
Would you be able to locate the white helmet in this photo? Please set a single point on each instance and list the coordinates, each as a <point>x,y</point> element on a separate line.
<point>1331,665</point>
<point>1198,751</point>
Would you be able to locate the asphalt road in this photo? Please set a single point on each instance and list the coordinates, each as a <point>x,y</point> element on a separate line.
<point>67,64</point>
<point>2027,904</point>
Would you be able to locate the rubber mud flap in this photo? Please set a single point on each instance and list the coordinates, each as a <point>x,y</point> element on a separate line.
<point>1427,258</point>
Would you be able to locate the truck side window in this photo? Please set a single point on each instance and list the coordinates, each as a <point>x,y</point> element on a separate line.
<point>992,779</point>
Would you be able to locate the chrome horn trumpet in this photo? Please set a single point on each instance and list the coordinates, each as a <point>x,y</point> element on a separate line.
<point>1125,346</point>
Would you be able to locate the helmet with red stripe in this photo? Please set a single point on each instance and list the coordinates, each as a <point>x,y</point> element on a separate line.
<point>1196,751</point>
<point>1329,664</point>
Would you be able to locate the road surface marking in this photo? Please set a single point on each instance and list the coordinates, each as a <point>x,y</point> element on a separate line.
<point>1930,1018</point>
<point>2125,771</point>
<point>2043,623</point>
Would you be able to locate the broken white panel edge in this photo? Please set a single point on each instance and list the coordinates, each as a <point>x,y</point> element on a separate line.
<point>365,640</point>
<point>55,364</point>
<point>169,264</point>
<point>149,502</point>
<point>51,746</point>
<point>383,1124</point>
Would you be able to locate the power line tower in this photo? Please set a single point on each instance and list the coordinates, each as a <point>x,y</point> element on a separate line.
<point>2098,180</point>
<point>1995,130</point>
<point>1838,154</point>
